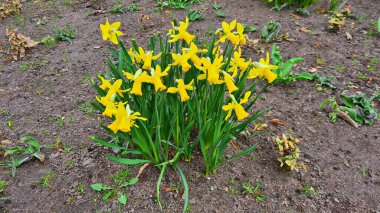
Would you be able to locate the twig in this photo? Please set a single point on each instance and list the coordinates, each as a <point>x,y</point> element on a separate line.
<point>346,117</point>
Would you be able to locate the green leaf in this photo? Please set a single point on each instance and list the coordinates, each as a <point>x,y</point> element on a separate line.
<point>327,102</point>
<point>31,142</point>
<point>126,160</point>
<point>108,195</point>
<point>100,187</point>
<point>378,25</point>
<point>104,143</point>
<point>306,76</point>
<point>130,182</point>
<point>13,150</point>
<point>289,65</point>
<point>122,198</point>
<point>186,187</point>
<point>247,151</point>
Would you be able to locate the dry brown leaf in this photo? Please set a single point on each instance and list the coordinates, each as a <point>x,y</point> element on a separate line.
<point>277,121</point>
<point>321,10</point>
<point>142,169</point>
<point>235,145</point>
<point>29,43</point>
<point>305,30</point>
<point>313,69</point>
<point>318,44</point>
<point>97,47</point>
<point>348,35</point>
<point>260,126</point>
<point>170,189</point>
<point>295,16</point>
<point>6,142</point>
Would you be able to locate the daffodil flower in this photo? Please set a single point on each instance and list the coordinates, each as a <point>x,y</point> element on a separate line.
<point>229,81</point>
<point>110,105</point>
<point>124,119</point>
<point>188,54</point>
<point>263,69</point>
<point>181,60</point>
<point>227,32</point>
<point>156,75</point>
<point>238,62</point>
<point>211,71</point>
<point>182,33</point>
<point>105,83</point>
<point>241,35</point>
<point>145,57</point>
<point>109,31</point>
<point>138,79</point>
<point>237,107</point>
<point>181,89</point>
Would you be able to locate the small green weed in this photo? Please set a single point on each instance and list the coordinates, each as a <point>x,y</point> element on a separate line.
<point>134,7</point>
<point>270,31</point>
<point>46,178</point>
<point>308,191</point>
<point>121,181</point>
<point>67,34</point>
<point>221,14</point>
<point>356,109</point>
<point>195,15</point>
<point>117,9</point>
<point>3,184</point>
<point>31,151</point>
<point>248,189</point>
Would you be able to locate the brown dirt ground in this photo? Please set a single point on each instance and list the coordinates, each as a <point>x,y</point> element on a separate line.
<point>55,84</point>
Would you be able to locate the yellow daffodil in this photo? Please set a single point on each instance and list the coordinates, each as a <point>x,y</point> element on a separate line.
<point>138,79</point>
<point>124,119</point>
<point>110,105</point>
<point>229,81</point>
<point>181,60</point>
<point>237,107</point>
<point>109,31</point>
<point>181,89</point>
<point>211,71</point>
<point>144,57</point>
<point>241,35</point>
<point>238,62</point>
<point>188,54</point>
<point>182,33</point>
<point>105,83</point>
<point>108,100</point>
<point>156,75</point>
<point>263,69</point>
<point>227,32</point>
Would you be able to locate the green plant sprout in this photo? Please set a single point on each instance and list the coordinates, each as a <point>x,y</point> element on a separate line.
<point>31,151</point>
<point>121,181</point>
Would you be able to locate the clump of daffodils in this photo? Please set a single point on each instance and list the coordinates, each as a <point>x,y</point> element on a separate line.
<point>172,98</point>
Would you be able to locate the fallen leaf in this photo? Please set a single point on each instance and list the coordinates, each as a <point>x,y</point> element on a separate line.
<point>142,169</point>
<point>234,145</point>
<point>318,45</point>
<point>226,188</point>
<point>28,41</point>
<point>321,10</point>
<point>6,142</point>
<point>320,61</point>
<point>352,87</point>
<point>313,69</point>
<point>170,189</point>
<point>349,36</point>
<point>97,47</point>
<point>54,155</point>
<point>260,126</point>
<point>305,30</point>
<point>277,121</point>
<point>295,16</point>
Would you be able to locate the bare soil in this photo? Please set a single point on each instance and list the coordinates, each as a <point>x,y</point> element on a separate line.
<point>343,162</point>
